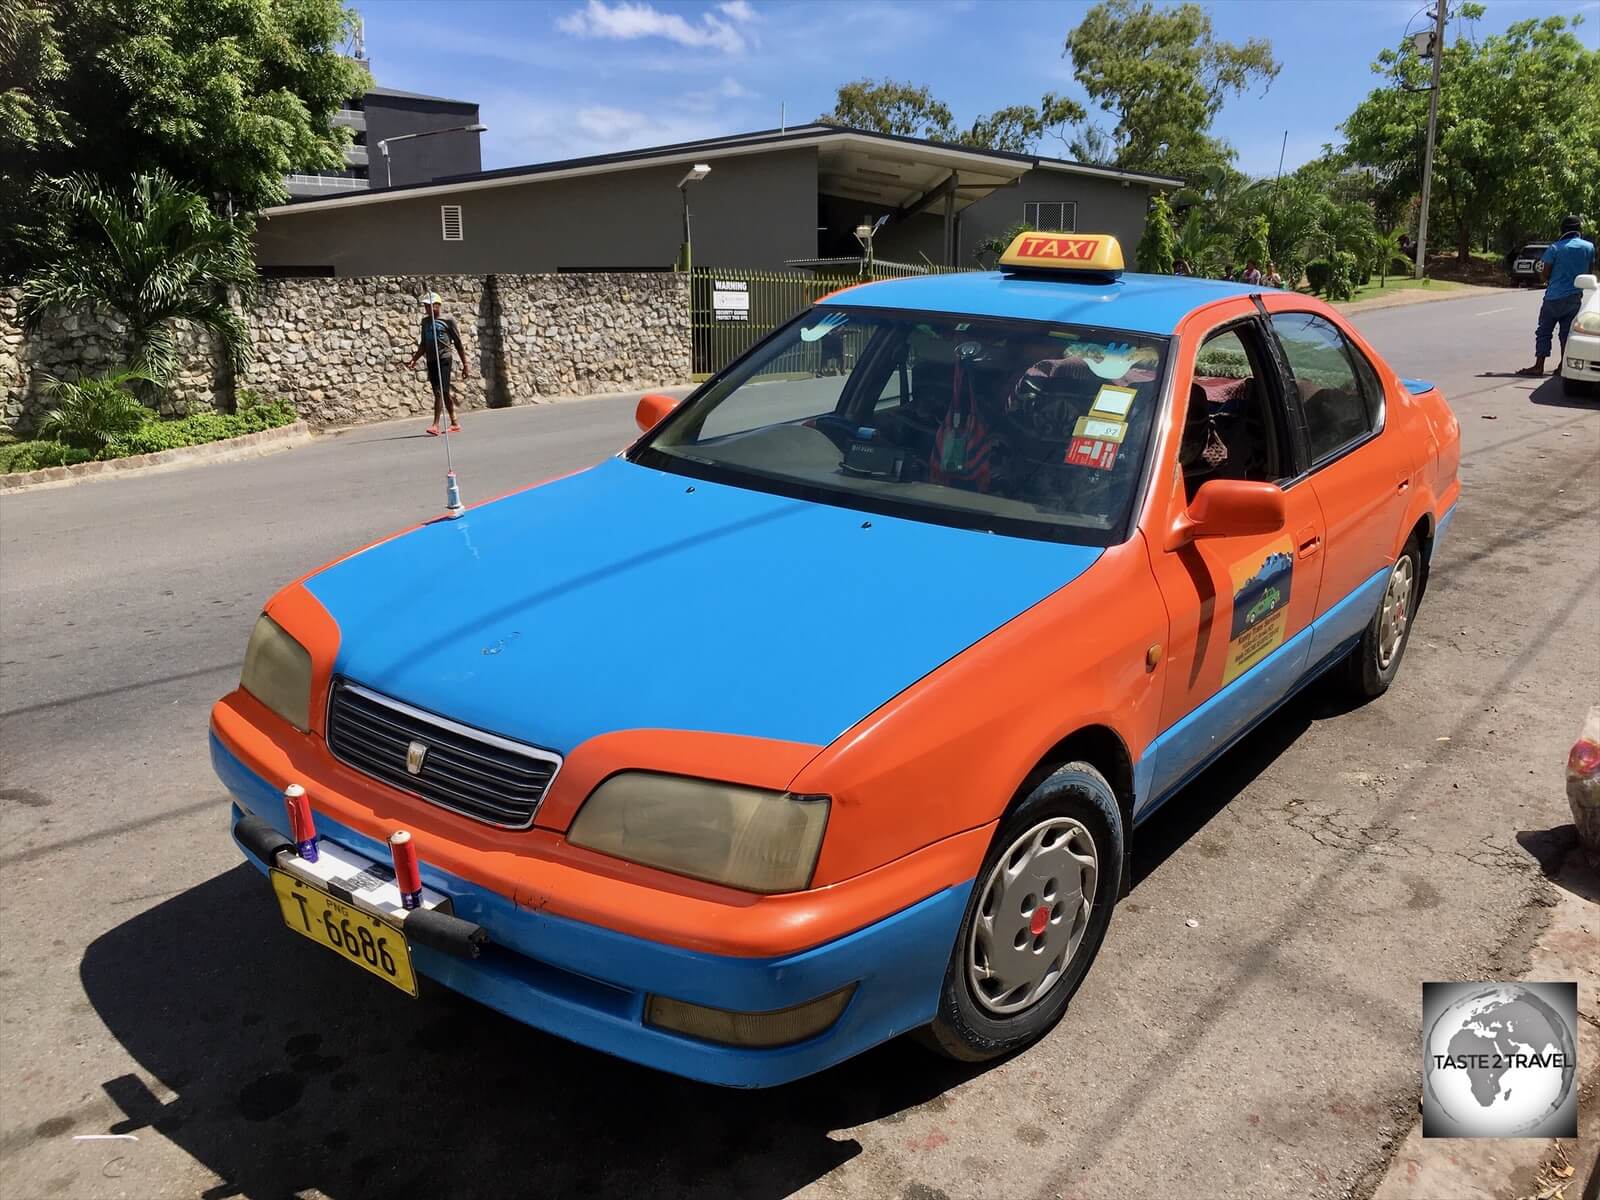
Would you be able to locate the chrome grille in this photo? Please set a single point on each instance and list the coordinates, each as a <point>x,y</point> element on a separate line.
<point>480,775</point>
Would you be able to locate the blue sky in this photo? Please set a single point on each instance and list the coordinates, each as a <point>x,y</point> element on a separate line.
<point>561,78</point>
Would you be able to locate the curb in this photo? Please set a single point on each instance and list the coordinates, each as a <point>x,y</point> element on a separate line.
<point>249,445</point>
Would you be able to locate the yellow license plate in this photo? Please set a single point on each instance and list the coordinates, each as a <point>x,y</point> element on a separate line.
<point>350,933</point>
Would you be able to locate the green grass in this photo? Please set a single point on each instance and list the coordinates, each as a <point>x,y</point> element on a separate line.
<point>1399,283</point>
<point>1368,291</point>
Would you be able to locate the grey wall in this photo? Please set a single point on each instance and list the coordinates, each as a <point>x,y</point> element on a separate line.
<point>420,159</point>
<point>753,211</point>
<point>1104,206</point>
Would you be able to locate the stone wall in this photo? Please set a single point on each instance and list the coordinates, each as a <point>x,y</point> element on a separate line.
<point>336,348</point>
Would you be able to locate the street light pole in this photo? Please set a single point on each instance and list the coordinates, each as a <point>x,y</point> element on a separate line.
<point>383,146</point>
<point>1433,120</point>
<point>696,173</point>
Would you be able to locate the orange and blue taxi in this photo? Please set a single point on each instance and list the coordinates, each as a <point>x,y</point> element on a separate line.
<point>830,710</point>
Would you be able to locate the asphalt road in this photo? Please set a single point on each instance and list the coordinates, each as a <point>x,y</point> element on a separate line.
<point>1333,861</point>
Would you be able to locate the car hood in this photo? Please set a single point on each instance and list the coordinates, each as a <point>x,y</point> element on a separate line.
<point>624,598</point>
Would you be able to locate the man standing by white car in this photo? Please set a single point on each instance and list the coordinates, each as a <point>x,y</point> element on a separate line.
<point>1564,260</point>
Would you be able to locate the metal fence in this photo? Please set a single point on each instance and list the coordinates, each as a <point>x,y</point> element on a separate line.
<point>731,310</point>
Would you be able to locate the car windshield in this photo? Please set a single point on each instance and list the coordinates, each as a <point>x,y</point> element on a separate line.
<point>1017,427</point>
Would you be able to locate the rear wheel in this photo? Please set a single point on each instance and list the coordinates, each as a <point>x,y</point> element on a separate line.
<point>1038,913</point>
<point>1375,661</point>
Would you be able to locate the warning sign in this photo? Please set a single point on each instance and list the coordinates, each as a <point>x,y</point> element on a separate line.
<point>730,299</point>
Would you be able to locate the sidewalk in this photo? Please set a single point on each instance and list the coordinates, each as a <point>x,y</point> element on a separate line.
<point>1568,947</point>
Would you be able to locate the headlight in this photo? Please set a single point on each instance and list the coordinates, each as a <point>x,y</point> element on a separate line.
<point>1588,322</point>
<point>743,837</point>
<point>277,672</point>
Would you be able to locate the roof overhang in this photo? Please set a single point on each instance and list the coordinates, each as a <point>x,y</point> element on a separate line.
<point>894,172</point>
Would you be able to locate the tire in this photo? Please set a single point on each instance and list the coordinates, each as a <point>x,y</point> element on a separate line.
<point>1070,815</point>
<point>1375,660</point>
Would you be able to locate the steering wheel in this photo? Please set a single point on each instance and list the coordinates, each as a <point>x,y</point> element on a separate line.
<point>1044,408</point>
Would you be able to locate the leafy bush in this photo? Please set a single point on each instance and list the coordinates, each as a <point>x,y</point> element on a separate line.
<point>35,456</point>
<point>1155,253</point>
<point>1342,282</point>
<point>1319,271</point>
<point>200,428</point>
<point>152,435</point>
<point>1222,364</point>
<point>90,411</point>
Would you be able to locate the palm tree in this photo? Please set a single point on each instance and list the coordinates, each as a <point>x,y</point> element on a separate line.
<point>1197,243</point>
<point>153,255</point>
<point>1387,247</point>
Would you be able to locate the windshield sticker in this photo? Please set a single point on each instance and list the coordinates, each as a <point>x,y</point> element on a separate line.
<point>1260,607</point>
<point>828,324</point>
<point>1100,429</point>
<point>1090,452</point>
<point>1114,402</point>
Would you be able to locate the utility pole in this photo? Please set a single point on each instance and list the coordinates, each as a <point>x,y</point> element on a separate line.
<point>1433,120</point>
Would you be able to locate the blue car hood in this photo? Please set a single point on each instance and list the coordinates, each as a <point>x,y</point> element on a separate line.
<point>627,598</point>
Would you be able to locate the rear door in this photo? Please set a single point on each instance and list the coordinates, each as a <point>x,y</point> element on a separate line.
<point>1240,608</point>
<point>1362,474</point>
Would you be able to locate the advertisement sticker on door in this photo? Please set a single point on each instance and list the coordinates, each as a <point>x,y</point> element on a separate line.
<point>1260,607</point>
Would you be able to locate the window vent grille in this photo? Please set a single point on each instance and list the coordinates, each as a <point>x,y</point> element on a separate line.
<point>1051,216</point>
<point>450,221</point>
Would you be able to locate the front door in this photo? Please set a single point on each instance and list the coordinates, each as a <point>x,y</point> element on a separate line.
<point>1360,471</point>
<point>1239,608</point>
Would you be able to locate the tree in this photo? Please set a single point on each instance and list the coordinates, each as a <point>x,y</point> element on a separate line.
<point>1389,251</point>
<point>1161,76</point>
<point>31,65</point>
<point>1198,244</point>
<point>1518,139</point>
<point>1256,242</point>
<point>151,256</point>
<point>229,96</point>
<point>906,110</point>
<point>1155,247</point>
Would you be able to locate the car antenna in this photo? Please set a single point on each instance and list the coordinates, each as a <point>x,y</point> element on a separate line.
<point>453,507</point>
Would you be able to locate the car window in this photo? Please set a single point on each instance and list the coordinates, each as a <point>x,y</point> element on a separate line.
<point>1228,430</point>
<point>1336,410</point>
<point>1018,427</point>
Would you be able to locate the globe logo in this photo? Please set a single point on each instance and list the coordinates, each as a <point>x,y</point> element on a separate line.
<point>1499,1060</point>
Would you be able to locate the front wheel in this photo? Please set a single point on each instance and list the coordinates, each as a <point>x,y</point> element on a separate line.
<point>1375,661</point>
<point>1038,913</point>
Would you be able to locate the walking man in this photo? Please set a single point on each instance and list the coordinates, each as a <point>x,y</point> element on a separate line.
<point>438,334</point>
<point>1564,260</point>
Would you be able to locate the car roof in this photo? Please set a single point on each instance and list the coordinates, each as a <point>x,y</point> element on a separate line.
<point>1137,303</point>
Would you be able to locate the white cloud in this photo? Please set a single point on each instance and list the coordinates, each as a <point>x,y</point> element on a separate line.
<point>527,129</point>
<point>737,10</point>
<point>627,21</point>
<point>715,97</point>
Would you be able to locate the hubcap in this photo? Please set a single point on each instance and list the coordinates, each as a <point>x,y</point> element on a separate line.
<point>1396,612</point>
<point>1032,915</point>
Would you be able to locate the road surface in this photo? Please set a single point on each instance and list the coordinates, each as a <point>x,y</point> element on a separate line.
<point>1332,862</point>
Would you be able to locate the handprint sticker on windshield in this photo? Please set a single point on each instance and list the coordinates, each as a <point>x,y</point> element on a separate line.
<point>828,324</point>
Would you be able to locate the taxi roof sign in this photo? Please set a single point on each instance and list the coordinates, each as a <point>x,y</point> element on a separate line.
<point>1096,254</point>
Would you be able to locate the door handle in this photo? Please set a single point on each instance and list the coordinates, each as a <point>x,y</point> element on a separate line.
<point>1404,484</point>
<point>1310,541</point>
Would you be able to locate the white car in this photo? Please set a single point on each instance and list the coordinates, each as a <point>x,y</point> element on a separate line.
<point>1580,357</point>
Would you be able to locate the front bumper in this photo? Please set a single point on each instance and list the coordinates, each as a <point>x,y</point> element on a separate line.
<point>1581,348</point>
<point>588,984</point>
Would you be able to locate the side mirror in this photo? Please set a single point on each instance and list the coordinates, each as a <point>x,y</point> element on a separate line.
<point>1230,508</point>
<point>653,409</point>
<point>1586,283</point>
